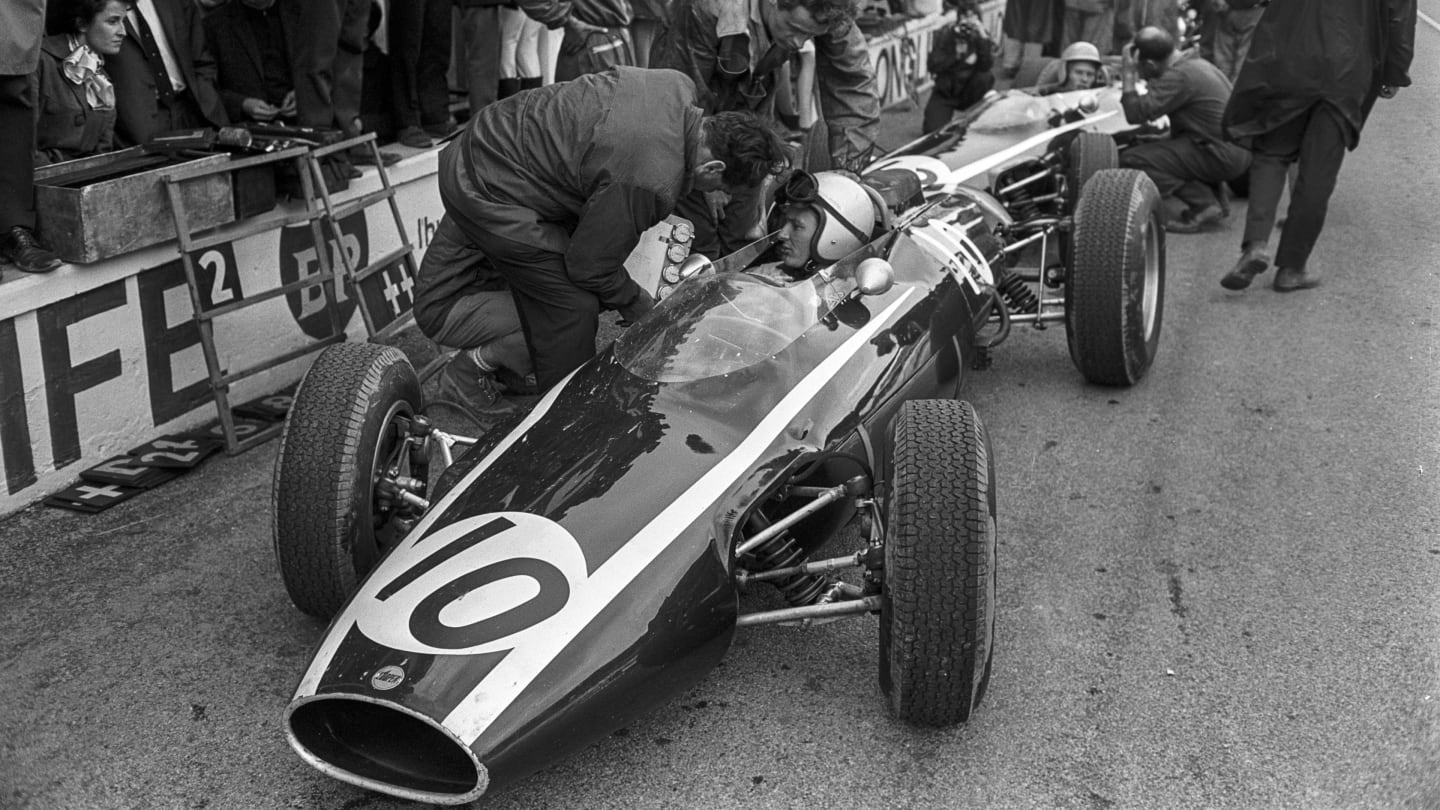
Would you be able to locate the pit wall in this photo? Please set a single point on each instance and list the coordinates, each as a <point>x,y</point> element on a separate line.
<point>97,359</point>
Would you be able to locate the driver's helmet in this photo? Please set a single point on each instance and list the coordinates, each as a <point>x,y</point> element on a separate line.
<point>1081,52</point>
<point>847,215</point>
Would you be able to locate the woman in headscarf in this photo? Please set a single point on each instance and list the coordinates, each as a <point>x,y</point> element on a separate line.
<point>75,114</point>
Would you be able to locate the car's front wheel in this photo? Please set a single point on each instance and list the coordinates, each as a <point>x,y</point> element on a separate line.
<point>937,614</point>
<point>331,523</point>
<point>1115,283</point>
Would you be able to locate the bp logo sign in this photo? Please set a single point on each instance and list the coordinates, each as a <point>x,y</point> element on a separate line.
<point>300,260</point>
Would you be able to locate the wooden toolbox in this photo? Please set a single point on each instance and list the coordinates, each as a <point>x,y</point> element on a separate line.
<point>105,205</point>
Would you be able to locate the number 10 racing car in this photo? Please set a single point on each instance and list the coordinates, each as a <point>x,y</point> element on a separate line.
<point>492,612</point>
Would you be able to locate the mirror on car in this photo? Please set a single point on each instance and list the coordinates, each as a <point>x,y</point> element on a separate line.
<point>694,265</point>
<point>874,276</point>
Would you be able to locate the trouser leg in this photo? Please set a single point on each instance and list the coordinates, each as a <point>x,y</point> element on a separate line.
<point>938,113</point>
<point>434,64</point>
<point>17,139</point>
<point>1322,150</point>
<point>481,29</point>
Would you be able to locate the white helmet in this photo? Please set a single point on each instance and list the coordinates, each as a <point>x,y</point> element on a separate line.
<point>847,215</point>
<point>1081,52</point>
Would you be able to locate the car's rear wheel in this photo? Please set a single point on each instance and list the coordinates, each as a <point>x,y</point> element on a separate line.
<point>937,614</point>
<point>330,523</point>
<point>1115,282</point>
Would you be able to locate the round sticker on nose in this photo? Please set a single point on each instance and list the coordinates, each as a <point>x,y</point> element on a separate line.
<point>386,678</point>
<point>479,585</point>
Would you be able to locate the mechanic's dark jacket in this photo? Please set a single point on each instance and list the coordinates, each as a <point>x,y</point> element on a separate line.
<point>724,47</point>
<point>580,167</point>
<point>1192,92</point>
<point>952,73</point>
<point>1339,52</point>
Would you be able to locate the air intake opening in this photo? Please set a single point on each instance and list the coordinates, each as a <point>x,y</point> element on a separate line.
<point>390,748</point>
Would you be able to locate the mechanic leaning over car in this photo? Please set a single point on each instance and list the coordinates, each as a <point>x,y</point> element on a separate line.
<point>732,50</point>
<point>1313,74</point>
<point>556,185</point>
<point>1195,159</point>
<point>463,302</point>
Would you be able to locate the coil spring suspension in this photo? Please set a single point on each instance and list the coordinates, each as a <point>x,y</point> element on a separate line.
<point>1016,292</point>
<point>782,552</point>
<point>1021,205</point>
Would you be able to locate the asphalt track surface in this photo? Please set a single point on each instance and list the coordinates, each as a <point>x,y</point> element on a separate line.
<point>1218,589</point>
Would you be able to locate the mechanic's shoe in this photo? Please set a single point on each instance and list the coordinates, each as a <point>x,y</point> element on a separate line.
<point>1289,279</point>
<point>22,248</point>
<point>415,137</point>
<point>462,383</point>
<point>1253,262</point>
<point>525,386</point>
<point>1192,221</point>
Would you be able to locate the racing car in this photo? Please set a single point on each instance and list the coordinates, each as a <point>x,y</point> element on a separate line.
<point>495,608</point>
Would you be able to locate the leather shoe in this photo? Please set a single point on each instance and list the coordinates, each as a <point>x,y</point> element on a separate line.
<point>22,248</point>
<point>1192,221</point>
<point>363,156</point>
<point>1253,262</point>
<point>1289,279</point>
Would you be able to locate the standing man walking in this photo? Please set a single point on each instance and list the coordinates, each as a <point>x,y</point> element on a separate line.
<point>556,185</point>
<point>1313,74</point>
<point>22,24</point>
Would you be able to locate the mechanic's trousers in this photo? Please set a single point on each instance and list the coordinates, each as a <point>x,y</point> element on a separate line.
<point>1317,139</point>
<point>1186,168</point>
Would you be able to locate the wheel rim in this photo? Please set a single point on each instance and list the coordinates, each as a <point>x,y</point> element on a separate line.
<point>1150,294</point>
<point>378,530</point>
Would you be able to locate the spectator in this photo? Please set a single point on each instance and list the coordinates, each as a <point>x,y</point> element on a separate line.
<point>1231,25</point>
<point>1026,22</point>
<point>164,73</point>
<point>327,58</point>
<point>419,60</point>
<point>480,30</point>
<point>573,173</point>
<point>1190,164</point>
<point>733,50</point>
<point>463,302</point>
<point>1078,68</point>
<point>252,55</point>
<point>647,20</point>
<point>22,24</point>
<point>1313,75</point>
<point>960,61</point>
<point>76,98</point>
<point>519,52</point>
<point>602,42</point>
<point>1090,21</point>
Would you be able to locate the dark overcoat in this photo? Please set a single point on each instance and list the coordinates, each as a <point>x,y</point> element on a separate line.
<point>1338,52</point>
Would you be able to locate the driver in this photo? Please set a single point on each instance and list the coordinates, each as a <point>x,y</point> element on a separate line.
<point>822,218</point>
<point>1079,68</point>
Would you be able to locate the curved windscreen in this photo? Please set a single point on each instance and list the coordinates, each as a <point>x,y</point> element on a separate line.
<point>718,324</point>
